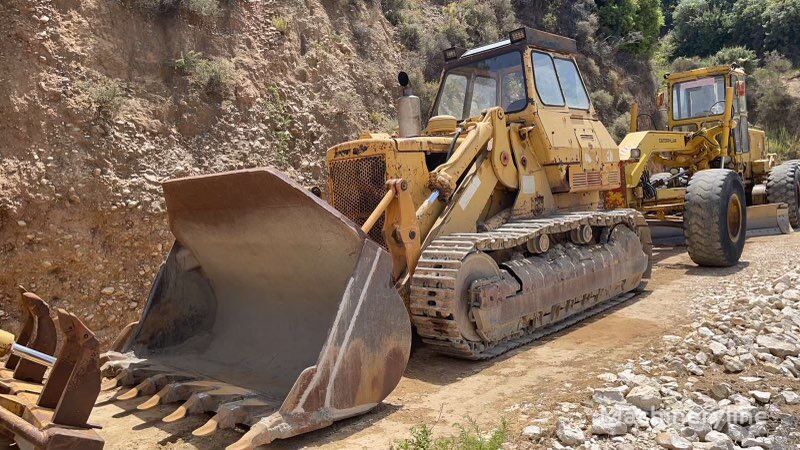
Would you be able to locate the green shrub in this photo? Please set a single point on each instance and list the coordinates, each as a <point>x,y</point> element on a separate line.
<point>620,126</point>
<point>784,143</point>
<point>278,112</point>
<point>216,76</point>
<point>637,22</point>
<point>106,97</point>
<point>739,55</point>
<point>281,24</point>
<point>188,62</point>
<point>204,8</point>
<point>468,438</point>
<point>604,105</point>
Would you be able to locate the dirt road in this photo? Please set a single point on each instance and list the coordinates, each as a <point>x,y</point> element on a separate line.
<point>442,391</point>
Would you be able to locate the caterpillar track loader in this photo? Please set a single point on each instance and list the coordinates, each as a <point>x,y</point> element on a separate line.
<point>709,177</point>
<point>281,312</point>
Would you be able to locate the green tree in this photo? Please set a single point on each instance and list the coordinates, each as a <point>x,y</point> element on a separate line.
<point>702,27</point>
<point>637,22</point>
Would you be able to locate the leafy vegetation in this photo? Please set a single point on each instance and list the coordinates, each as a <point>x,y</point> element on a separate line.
<point>281,24</point>
<point>106,97</point>
<point>703,27</point>
<point>215,76</point>
<point>470,437</point>
<point>203,8</point>
<point>281,118</point>
<point>637,23</point>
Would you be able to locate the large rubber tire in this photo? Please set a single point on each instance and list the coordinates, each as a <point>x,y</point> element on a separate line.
<point>715,218</point>
<point>783,186</point>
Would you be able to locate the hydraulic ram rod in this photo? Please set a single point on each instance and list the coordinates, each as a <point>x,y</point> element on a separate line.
<point>7,345</point>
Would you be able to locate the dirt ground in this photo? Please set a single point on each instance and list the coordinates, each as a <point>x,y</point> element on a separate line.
<point>443,391</point>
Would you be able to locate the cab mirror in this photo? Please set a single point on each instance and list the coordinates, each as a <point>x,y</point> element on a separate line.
<point>660,100</point>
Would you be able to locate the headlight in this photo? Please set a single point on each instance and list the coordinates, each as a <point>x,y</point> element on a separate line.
<point>635,153</point>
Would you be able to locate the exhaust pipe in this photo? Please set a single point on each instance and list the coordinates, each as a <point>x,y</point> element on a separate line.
<point>409,116</point>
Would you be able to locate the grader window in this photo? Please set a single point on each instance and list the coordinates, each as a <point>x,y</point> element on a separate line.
<point>470,88</point>
<point>698,98</point>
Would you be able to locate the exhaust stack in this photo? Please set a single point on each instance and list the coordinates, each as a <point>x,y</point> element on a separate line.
<point>408,110</point>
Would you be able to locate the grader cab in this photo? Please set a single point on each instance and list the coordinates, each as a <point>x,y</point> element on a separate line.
<point>709,176</point>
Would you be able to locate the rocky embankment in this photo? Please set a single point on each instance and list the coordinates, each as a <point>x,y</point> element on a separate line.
<point>730,383</point>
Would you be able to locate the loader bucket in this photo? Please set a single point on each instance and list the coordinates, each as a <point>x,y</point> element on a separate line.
<point>771,218</point>
<point>272,311</point>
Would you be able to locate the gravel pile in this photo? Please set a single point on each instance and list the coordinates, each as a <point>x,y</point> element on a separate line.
<point>729,383</point>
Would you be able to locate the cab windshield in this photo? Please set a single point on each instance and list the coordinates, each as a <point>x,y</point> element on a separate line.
<point>469,89</point>
<point>698,98</point>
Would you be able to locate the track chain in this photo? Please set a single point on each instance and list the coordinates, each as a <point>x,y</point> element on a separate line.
<point>437,271</point>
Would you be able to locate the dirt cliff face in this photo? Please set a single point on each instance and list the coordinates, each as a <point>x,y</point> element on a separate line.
<point>102,99</point>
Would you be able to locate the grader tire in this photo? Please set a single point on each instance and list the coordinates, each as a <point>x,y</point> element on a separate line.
<point>783,186</point>
<point>715,218</point>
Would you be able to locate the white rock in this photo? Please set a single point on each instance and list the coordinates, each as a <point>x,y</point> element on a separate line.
<point>732,364</point>
<point>777,346</point>
<point>608,377</point>
<point>737,432</point>
<point>717,349</point>
<point>608,396</point>
<point>719,438</point>
<point>791,294</point>
<point>532,432</point>
<point>789,397</point>
<point>761,396</point>
<point>603,424</point>
<point>569,434</point>
<point>741,414</point>
<point>720,391</point>
<point>672,441</point>
<point>644,397</point>
<point>705,332</point>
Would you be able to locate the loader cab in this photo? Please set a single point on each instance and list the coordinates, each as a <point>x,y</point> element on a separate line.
<point>528,71</point>
<point>696,99</point>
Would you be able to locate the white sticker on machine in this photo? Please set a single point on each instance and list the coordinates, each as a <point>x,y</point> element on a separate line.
<point>528,184</point>
<point>471,189</point>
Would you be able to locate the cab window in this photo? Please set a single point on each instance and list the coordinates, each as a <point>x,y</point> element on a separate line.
<point>571,84</point>
<point>471,88</point>
<point>545,79</point>
<point>698,98</point>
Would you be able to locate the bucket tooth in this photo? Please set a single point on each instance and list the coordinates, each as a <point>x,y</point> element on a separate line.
<point>200,402</point>
<point>177,415</point>
<point>130,376</point>
<point>247,411</point>
<point>176,392</point>
<point>207,428</point>
<point>257,435</point>
<point>153,384</point>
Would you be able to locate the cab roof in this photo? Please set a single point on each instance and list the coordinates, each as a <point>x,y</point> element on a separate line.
<point>517,39</point>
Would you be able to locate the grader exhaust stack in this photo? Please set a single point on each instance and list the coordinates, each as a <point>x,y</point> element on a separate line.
<point>272,310</point>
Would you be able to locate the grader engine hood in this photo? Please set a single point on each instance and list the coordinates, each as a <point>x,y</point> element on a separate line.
<point>272,310</point>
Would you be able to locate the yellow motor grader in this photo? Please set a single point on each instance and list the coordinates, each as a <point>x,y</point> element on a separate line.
<point>482,231</point>
<point>709,173</point>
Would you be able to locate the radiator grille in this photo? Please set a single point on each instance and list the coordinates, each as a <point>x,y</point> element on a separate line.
<point>357,186</point>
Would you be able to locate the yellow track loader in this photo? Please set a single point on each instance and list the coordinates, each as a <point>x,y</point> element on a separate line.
<point>282,313</point>
<point>709,178</point>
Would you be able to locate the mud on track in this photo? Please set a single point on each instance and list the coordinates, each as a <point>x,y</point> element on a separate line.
<point>442,391</point>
